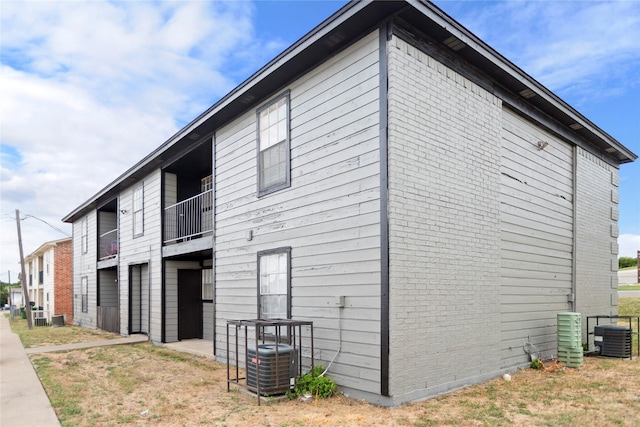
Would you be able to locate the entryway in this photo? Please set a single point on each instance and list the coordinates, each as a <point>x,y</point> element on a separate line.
<point>139,297</point>
<point>189,304</point>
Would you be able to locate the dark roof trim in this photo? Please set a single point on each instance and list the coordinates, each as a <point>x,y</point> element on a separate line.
<point>332,35</point>
<point>507,67</point>
<point>328,37</point>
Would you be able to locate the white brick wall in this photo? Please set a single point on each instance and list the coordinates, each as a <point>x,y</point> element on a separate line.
<point>596,245</point>
<point>444,158</point>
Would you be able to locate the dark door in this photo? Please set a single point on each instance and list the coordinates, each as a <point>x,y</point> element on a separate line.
<point>139,289</point>
<point>189,304</point>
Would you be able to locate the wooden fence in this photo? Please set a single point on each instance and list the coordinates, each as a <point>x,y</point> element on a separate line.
<point>109,319</point>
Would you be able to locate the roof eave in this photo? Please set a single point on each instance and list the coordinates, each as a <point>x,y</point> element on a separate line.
<point>367,11</point>
<point>622,153</point>
<point>320,31</point>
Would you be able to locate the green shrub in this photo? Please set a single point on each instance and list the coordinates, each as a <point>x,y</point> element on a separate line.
<point>536,364</point>
<point>624,262</point>
<point>313,384</point>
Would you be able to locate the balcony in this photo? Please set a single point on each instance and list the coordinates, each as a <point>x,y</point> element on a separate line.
<point>189,219</point>
<point>108,245</point>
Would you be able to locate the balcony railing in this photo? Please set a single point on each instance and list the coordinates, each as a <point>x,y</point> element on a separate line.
<point>108,245</point>
<point>189,219</point>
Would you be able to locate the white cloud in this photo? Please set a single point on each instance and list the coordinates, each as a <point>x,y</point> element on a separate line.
<point>90,88</point>
<point>628,245</point>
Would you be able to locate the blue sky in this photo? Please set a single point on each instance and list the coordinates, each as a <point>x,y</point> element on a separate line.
<point>89,88</point>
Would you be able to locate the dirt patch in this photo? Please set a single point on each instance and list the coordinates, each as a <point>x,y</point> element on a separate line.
<point>147,385</point>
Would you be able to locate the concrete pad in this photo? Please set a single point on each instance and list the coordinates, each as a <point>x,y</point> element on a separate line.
<point>196,347</point>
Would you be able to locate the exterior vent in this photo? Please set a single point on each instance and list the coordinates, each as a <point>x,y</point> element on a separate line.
<point>454,43</point>
<point>615,341</point>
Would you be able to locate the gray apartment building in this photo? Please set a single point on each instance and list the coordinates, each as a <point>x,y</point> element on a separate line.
<point>389,160</point>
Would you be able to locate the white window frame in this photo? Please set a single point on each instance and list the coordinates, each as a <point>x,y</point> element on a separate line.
<point>84,242</point>
<point>207,285</point>
<point>273,133</point>
<point>137,208</point>
<point>267,277</point>
<point>84,292</point>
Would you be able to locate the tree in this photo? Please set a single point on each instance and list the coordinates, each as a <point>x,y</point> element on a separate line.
<point>4,293</point>
<point>624,262</point>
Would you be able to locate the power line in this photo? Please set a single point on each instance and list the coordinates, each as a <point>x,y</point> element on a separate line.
<point>50,225</point>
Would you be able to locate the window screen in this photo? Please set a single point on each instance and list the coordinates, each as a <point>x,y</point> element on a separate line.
<point>273,143</point>
<point>274,284</point>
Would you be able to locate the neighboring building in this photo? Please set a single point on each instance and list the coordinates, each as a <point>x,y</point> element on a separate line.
<point>390,177</point>
<point>15,297</point>
<point>50,279</point>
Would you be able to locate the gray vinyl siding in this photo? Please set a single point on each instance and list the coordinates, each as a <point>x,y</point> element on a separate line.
<point>108,288</point>
<point>145,300</point>
<point>444,155</point>
<point>329,216</point>
<point>170,189</point>
<point>207,321</point>
<point>84,265</point>
<point>135,297</point>
<point>140,298</point>
<point>108,222</point>
<point>142,250</point>
<point>536,215</point>
<point>171,296</point>
<point>596,237</point>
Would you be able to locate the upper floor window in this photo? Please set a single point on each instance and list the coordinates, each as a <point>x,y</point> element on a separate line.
<point>138,211</point>
<point>85,235</point>
<point>274,154</point>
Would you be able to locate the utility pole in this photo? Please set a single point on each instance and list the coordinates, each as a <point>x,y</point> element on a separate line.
<point>25,291</point>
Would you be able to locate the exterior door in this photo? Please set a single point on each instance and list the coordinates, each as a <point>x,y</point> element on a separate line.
<point>189,304</point>
<point>108,315</point>
<point>139,299</point>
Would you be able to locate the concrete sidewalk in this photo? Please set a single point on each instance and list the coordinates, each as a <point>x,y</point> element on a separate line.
<point>131,339</point>
<point>23,401</point>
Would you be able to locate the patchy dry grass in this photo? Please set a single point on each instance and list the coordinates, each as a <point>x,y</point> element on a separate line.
<point>630,307</point>
<point>41,336</point>
<point>146,385</point>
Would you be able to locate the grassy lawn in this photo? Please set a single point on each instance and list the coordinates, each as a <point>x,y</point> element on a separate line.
<point>41,336</point>
<point>144,384</point>
<point>630,307</point>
